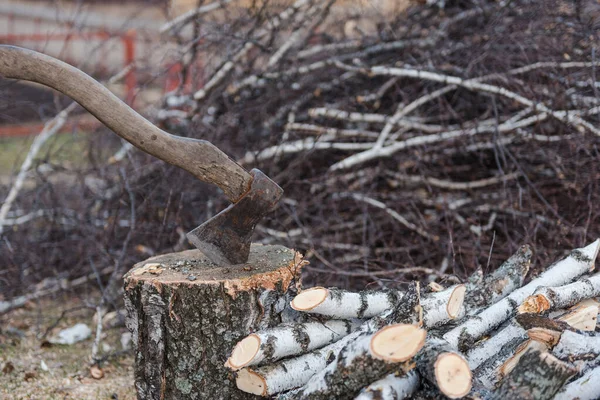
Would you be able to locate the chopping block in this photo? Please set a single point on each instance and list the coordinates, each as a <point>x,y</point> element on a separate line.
<point>186,314</point>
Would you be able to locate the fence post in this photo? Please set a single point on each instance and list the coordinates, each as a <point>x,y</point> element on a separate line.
<point>130,80</point>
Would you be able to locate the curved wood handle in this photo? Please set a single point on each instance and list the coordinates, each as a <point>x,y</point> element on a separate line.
<point>199,157</point>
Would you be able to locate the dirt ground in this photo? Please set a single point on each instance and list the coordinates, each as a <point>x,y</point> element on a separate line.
<point>32,368</point>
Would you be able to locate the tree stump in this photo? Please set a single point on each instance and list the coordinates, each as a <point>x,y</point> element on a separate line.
<point>186,314</point>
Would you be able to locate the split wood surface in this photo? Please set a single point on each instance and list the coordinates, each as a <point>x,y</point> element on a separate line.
<point>397,351</point>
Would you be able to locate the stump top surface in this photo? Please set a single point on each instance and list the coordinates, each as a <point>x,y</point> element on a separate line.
<point>192,266</point>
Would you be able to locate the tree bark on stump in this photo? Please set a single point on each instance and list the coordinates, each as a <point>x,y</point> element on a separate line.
<point>186,314</point>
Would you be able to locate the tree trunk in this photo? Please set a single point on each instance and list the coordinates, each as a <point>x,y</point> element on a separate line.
<point>186,315</point>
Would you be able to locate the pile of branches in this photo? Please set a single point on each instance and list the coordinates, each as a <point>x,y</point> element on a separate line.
<point>491,338</point>
<point>409,145</point>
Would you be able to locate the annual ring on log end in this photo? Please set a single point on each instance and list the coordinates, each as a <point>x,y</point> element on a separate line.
<point>309,299</point>
<point>244,352</point>
<point>453,375</point>
<point>250,382</point>
<point>397,343</point>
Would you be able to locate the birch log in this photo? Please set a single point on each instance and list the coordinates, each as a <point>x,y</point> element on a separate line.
<point>186,314</point>
<point>441,307</point>
<point>574,346</point>
<point>295,372</point>
<point>496,357</point>
<point>551,298</point>
<point>550,331</point>
<point>394,386</point>
<point>509,276</point>
<point>495,344</point>
<point>289,339</point>
<point>537,376</point>
<point>364,360</point>
<point>437,307</point>
<point>445,368</point>
<point>585,388</point>
<point>509,365</point>
<point>342,304</point>
<point>580,261</point>
<point>490,356</point>
<point>286,374</point>
<point>580,348</point>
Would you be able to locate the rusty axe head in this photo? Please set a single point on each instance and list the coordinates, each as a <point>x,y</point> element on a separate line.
<point>225,238</point>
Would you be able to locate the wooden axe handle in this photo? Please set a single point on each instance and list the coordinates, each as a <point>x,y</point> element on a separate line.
<point>199,157</point>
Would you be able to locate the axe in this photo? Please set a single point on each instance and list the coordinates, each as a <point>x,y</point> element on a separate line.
<point>225,238</point>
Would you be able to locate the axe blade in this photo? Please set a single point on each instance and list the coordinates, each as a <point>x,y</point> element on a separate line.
<point>225,238</point>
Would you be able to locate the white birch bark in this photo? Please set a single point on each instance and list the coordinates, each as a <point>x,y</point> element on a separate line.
<point>276,343</point>
<point>287,374</point>
<point>441,307</point>
<point>585,388</point>
<point>484,351</point>
<point>551,298</point>
<point>537,376</point>
<point>342,304</point>
<point>392,387</point>
<point>292,373</point>
<point>495,358</point>
<point>361,362</point>
<point>443,367</point>
<point>492,288</point>
<point>577,346</point>
<point>576,264</point>
<point>437,308</point>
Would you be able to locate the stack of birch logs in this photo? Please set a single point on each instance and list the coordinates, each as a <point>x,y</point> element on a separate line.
<point>490,338</point>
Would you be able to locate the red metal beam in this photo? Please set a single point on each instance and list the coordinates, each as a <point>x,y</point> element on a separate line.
<point>36,127</point>
<point>42,37</point>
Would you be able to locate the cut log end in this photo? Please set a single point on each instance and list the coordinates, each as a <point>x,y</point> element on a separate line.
<point>536,304</point>
<point>397,343</point>
<point>309,299</point>
<point>453,375</point>
<point>250,382</point>
<point>268,267</point>
<point>244,352</point>
<point>456,301</point>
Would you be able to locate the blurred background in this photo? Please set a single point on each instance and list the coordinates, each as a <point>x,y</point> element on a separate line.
<point>414,139</point>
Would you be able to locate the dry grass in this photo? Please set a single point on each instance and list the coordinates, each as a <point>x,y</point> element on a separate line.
<point>67,150</point>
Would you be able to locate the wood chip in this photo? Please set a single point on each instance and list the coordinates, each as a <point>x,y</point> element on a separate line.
<point>29,375</point>
<point>151,268</point>
<point>8,368</point>
<point>96,372</point>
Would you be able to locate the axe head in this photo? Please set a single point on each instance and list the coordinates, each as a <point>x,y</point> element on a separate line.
<point>225,238</point>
